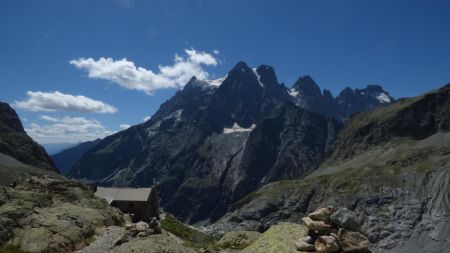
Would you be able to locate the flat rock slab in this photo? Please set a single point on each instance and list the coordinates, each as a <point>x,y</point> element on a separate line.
<point>154,244</point>
<point>279,238</point>
<point>104,240</point>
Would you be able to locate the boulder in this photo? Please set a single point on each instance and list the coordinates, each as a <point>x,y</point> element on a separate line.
<point>304,246</point>
<point>237,240</point>
<point>307,239</point>
<point>127,218</point>
<point>321,214</point>
<point>281,237</point>
<point>326,244</point>
<point>144,234</point>
<point>319,227</point>
<point>353,241</point>
<point>130,226</point>
<point>155,226</point>
<point>142,226</point>
<point>345,218</point>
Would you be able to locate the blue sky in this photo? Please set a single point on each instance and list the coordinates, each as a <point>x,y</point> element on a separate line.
<point>56,46</point>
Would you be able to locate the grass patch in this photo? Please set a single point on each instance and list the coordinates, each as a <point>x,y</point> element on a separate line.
<point>192,237</point>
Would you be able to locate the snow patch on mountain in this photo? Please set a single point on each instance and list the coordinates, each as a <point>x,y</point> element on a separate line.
<point>383,98</point>
<point>217,82</point>
<point>258,77</point>
<point>292,92</point>
<point>236,128</point>
<point>209,84</point>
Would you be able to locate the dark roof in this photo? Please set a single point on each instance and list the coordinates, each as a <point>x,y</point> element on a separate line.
<point>123,194</point>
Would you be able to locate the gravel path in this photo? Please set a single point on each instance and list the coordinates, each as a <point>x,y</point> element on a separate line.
<point>103,240</point>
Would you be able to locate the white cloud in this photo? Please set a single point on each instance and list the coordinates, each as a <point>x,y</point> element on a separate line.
<point>124,126</point>
<point>215,51</point>
<point>146,118</point>
<point>57,101</point>
<point>126,74</point>
<point>48,118</point>
<point>67,130</point>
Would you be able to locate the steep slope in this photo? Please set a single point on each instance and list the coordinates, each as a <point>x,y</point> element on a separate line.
<point>391,166</point>
<point>287,144</point>
<point>67,158</point>
<point>16,143</point>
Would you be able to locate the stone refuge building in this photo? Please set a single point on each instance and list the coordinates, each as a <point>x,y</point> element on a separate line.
<point>140,203</point>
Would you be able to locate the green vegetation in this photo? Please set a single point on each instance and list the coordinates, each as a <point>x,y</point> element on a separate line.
<point>237,240</point>
<point>11,250</point>
<point>193,238</point>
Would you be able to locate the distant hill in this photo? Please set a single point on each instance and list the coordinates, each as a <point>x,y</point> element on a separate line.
<point>67,158</point>
<point>54,148</point>
<point>15,142</point>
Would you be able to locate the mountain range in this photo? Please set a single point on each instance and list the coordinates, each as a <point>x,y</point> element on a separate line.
<point>215,141</point>
<point>241,153</point>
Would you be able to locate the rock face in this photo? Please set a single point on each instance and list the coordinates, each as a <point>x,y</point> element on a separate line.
<point>390,166</point>
<point>44,214</point>
<point>213,143</point>
<point>67,158</point>
<point>16,143</point>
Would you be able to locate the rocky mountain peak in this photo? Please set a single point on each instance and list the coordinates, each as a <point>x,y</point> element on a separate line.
<point>267,75</point>
<point>327,95</point>
<point>240,67</point>
<point>306,85</point>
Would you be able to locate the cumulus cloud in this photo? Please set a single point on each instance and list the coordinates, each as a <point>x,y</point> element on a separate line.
<point>66,130</point>
<point>126,74</point>
<point>57,101</point>
<point>124,126</point>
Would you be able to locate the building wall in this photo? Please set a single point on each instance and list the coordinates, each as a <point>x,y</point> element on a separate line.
<point>141,210</point>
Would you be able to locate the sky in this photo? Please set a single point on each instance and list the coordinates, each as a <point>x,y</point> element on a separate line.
<point>80,70</point>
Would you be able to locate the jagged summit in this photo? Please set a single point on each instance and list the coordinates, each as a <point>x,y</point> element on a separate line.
<point>307,85</point>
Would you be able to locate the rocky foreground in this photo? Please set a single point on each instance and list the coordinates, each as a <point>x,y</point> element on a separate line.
<point>45,214</point>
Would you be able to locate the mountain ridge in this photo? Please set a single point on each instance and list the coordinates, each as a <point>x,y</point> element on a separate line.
<point>15,142</point>
<point>181,145</point>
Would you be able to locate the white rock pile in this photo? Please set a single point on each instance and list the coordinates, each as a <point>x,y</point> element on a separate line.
<point>333,230</point>
<point>139,229</point>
